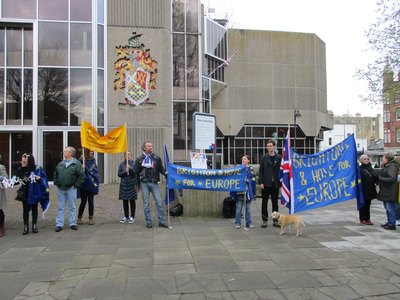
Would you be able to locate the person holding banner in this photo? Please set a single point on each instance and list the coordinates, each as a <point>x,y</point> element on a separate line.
<point>369,179</point>
<point>3,199</point>
<point>148,167</point>
<point>68,177</point>
<point>389,190</point>
<point>37,190</point>
<point>269,182</point>
<point>127,190</point>
<point>247,196</point>
<point>90,186</point>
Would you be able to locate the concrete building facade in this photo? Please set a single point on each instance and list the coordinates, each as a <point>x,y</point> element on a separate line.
<point>147,64</point>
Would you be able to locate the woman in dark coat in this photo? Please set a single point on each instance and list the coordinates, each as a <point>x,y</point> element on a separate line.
<point>127,189</point>
<point>389,189</point>
<point>369,179</point>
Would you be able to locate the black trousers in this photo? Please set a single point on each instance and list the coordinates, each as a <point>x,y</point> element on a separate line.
<point>34,208</point>
<point>364,211</point>
<point>1,216</point>
<point>274,192</point>
<point>86,196</point>
<point>126,208</point>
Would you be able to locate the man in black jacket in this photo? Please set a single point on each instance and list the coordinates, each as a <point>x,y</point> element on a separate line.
<point>148,167</point>
<point>269,182</point>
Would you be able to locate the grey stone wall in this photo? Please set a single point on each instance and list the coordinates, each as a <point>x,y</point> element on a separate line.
<point>139,13</point>
<point>273,74</point>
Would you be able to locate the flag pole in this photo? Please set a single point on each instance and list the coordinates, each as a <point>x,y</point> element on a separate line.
<point>222,63</point>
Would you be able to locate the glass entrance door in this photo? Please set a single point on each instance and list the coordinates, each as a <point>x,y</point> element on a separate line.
<point>53,143</point>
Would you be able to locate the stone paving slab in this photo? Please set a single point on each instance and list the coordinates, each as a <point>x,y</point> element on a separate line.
<point>199,257</point>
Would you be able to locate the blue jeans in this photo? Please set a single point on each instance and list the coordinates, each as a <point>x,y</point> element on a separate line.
<point>154,189</point>
<point>391,212</point>
<point>64,196</point>
<point>239,206</point>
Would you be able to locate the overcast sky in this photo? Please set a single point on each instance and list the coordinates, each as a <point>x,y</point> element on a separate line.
<point>340,24</point>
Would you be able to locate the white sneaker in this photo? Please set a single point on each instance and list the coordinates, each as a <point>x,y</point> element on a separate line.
<point>131,220</point>
<point>397,222</point>
<point>124,220</point>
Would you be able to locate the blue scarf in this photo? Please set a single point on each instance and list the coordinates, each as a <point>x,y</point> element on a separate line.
<point>148,161</point>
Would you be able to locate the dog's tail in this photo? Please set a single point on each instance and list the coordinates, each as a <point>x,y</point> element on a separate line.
<point>302,223</point>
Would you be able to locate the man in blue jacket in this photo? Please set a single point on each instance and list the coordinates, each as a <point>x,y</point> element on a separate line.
<point>69,175</point>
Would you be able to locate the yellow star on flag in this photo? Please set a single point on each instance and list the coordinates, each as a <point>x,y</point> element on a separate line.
<point>347,146</point>
<point>301,197</point>
<point>220,173</point>
<point>353,183</point>
<point>177,182</point>
<point>200,183</point>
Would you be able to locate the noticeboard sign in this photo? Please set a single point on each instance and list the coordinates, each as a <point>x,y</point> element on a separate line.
<point>204,131</point>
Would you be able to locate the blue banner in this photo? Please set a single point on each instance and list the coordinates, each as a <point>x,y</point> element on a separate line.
<point>327,177</point>
<point>180,177</point>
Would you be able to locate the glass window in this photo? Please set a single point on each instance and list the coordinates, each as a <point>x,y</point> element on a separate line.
<point>28,96</point>
<point>397,114</point>
<point>1,96</point>
<point>4,150</point>
<point>2,43</point>
<point>178,18</point>
<point>192,11</point>
<point>19,9</point>
<point>398,135</point>
<point>179,66</point>
<point>53,10</point>
<point>389,137</point>
<point>28,47</point>
<point>53,44</point>
<point>192,69</point>
<point>52,151</point>
<point>179,113</point>
<point>100,11</point>
<point>81,10</point>
<point>100,46</point>
<point>191,108</point>
<point>13,96</point>
<point>100,98</point>
<point>81,45</point>
<point>14,47</point>
<point>21,142</point>
<point>53,97</point>
<point>80,96</point>
<point>74,140</point>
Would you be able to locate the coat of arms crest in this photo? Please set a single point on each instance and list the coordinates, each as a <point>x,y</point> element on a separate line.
<point>136,71</point>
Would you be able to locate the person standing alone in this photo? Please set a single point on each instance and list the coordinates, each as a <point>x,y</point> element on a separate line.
<point>68,177</point>
<point>269,182</point>
<point>148,167</point>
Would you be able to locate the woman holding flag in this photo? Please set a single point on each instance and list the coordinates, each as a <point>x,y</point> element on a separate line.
<point>245,197</point>
<point>90,186</point>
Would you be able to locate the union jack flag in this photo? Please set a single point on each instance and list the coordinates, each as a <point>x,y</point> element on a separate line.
<point>286,176</point>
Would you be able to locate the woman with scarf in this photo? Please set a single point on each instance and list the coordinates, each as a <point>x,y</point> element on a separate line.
<point>37,190</point>
<point>127,189</point>
<point>90,186</point>
<point>369,179</point>
<point>249,195</point>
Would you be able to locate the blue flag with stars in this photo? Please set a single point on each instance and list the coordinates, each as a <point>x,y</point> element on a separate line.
<point>230,180</point>
<point>327,177</point>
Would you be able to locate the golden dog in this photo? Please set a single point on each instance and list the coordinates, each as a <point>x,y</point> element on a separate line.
<point>288,220</point>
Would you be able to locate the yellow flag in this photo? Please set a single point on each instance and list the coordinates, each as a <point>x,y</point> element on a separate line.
<point>112,142</point>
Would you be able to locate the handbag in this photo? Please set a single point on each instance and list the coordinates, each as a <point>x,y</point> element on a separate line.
<point>21,193</point>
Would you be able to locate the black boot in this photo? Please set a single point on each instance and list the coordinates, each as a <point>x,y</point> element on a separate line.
<point>26,229</point>
<point>34,228</point>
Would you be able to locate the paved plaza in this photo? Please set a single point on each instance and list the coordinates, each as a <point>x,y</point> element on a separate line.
<point>199,257</point>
